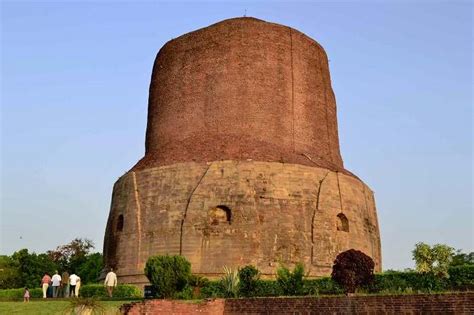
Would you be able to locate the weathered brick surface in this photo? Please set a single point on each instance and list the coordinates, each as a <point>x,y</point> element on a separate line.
<point>242,162</point>
<point>453,303</point>
<point>152,307</point>
<point>239,89</point>
<point>279,213</point>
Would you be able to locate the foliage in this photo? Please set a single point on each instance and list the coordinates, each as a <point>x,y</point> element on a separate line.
<point>168,274</point>
<point>291,283</point>
<point>198,281</point>
<point>321,286</point>
<point>460,259</point>
<point>90,269</point>
<point>121,291</point>
<point>461,277</point>
<point>9,273</point>
<point>17,294</point>
<point>24,269</point>
<point>353,269</point>
<point>391,282</point>
<point>436,259</point>
<point>230,282</point>
<point>31,267</point>
<point>248,279</point>
<point>213,289</point>
<point>72,255</point>
<point>83,305</point>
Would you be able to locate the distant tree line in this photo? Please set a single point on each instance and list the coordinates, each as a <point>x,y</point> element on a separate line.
<point>25,269</point>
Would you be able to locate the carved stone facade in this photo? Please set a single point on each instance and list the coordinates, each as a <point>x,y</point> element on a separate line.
<point>242,162</point>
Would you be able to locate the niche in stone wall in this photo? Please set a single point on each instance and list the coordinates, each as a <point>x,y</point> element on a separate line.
<point>220,215</point>
<point>342,223</point>
<point>120,223</point>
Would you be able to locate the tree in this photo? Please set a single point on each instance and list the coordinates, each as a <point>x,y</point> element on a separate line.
<point>72,255</point>
<point>91,268</point>
<point>168,274</point>
<point>353,269</point>
<point>462,259</point>
<point>435,259</point>
<point>9,273</point>
<point>32,267</point>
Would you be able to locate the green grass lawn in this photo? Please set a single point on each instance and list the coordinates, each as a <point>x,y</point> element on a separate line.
<point>39,306</point>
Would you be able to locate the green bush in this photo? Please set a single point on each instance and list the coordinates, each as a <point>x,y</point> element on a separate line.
<point>393,282</point>
<point>17,294</point>
<point>121,291</point>
<point>169,275</point>
<point>248,277</point>
<point>462,277</point>
<point>291,283</point>
<point>324,286</point>
<point>268,288</point>
<point>213,289</point>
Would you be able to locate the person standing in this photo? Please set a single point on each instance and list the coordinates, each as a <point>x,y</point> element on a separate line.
<point>65,284</point>
<point>110,282</point>
<point>45,284</point>
<point>72,284</point>
<point>56,284</point>
<point>26,296</point>
<point>78,286</point>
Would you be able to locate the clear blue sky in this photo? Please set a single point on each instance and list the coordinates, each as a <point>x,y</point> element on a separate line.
<point>74,92</point>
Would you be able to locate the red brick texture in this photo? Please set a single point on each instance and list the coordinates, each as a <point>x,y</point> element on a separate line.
<point>241,120</point>
<point>242,89</point>
<point>452,303</point>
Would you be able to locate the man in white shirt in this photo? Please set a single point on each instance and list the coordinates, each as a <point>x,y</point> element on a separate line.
<point>73,280</point>
<point>110,282</point>
<point>56,279</point>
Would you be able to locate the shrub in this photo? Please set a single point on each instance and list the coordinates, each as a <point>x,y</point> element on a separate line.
<point>353,269</point>
<point>268,288</point>
<point>17,294</point>
<point>324,286</point>
<point>168,274</point>
<point>248,278</point>
<point>291,283</point>
<point>462,277</point>
<point>230,282</point>
<point>99,291</point>
<point>213,289</point>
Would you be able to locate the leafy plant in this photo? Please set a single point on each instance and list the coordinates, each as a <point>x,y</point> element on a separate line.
<point>168,274</point>
<point>353,269</point>
<point>436,259</point>
<point>84,306</point>
<point>230,282</point>
<point>248,280</point>
<point>291,283</point>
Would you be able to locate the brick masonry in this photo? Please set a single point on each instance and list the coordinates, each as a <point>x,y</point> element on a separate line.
<point>279,213</point>
<point>239,89</point>
<point>452,303</point>
<point>242,162</point>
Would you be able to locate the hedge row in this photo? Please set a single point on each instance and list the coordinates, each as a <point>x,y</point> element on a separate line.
<point>89,290</point>
<point>395,282</point>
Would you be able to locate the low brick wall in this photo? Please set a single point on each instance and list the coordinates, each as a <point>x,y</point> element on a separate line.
<point>452,303</point>
<point>174,307</point>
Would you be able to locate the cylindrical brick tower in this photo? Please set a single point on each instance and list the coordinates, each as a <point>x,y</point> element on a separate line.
<point>242,162</point>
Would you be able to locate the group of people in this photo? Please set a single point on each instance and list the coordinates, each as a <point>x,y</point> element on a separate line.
<point>64,285</point>
<point>68,285</point>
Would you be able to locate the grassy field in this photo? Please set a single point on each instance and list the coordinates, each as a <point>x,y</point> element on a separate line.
<point>39,306</point>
